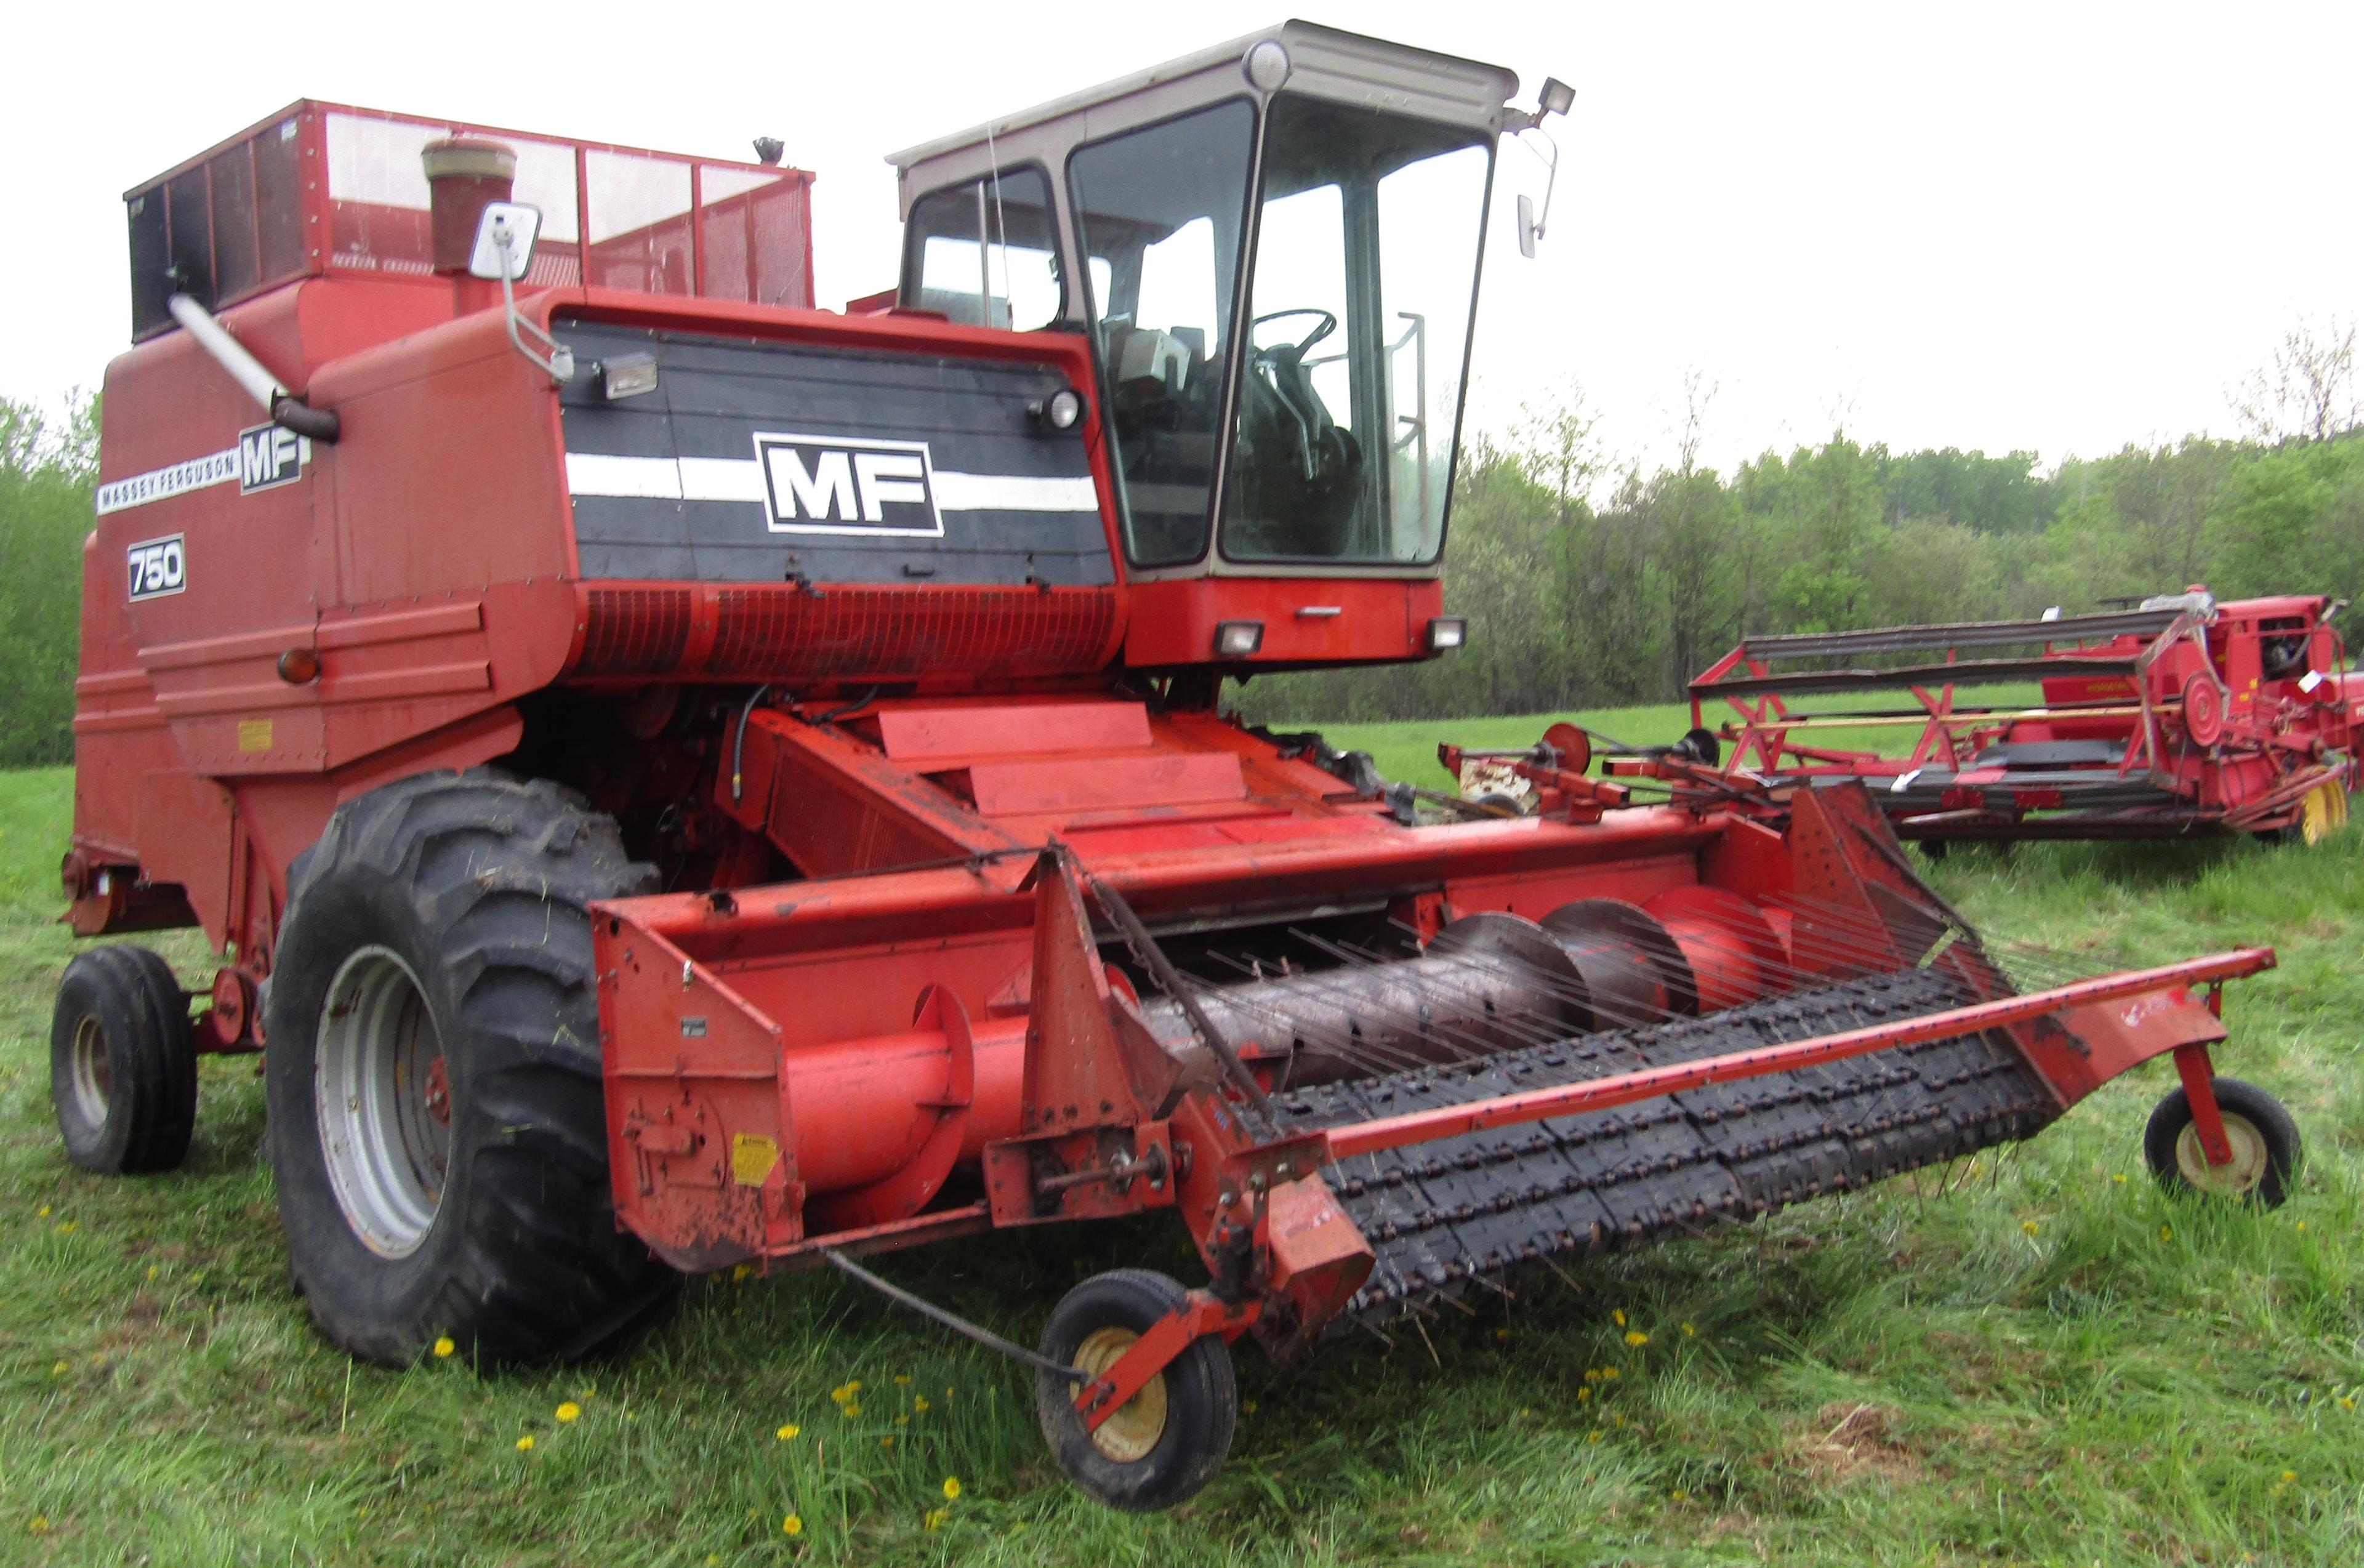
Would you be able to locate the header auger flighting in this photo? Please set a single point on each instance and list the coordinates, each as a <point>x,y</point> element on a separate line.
<point>681,779</point>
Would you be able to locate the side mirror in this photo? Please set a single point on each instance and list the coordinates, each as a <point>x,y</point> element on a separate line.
<point>505,237</point>
<point>1529,229</point>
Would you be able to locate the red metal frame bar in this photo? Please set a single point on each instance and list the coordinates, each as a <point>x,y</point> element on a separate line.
<point>1624,1088</point>
<point>2199,1074</point>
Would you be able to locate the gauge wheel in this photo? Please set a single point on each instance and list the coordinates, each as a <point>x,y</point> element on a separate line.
<point>1166,1442</point>
<point>437,1120</point>
<point>2267,1149</point>
<point>123,1071</point>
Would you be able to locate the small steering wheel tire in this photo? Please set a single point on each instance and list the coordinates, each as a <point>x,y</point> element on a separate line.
<point>1165,1442</point>
<point>123,1070</point>
<point>2267,1149</point>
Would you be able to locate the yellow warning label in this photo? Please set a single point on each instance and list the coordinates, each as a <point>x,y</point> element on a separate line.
<point>254,735</point>
<point>753,1155</point>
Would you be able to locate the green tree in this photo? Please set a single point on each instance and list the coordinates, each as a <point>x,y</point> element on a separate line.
<point>49,466</point>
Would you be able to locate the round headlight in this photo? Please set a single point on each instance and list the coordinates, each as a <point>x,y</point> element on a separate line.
<point>1063,409</point>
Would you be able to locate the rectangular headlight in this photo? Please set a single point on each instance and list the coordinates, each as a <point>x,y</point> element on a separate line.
<point>1238,638</point>
<point>626,375</point>
<point>1446,633</point>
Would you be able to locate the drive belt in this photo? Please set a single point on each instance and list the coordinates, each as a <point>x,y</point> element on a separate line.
<point>1445,1214</point>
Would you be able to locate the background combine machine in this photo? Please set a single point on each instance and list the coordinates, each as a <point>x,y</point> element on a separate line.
<point>679,778</point>
<point>2180,715</point>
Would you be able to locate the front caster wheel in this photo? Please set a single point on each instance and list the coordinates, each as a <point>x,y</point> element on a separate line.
<point>2267,1149</point>
<point>123,1073</point>
<point>1166,1442</point>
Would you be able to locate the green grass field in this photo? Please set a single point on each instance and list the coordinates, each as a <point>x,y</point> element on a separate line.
<point>2035,1357</point>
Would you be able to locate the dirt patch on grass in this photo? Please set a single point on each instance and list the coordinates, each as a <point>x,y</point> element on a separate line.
<point>1848,1441</point>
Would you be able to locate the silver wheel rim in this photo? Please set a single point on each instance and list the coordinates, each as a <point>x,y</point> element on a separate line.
<point>2237,1179</point>
<point>384,1101</point>
<point>92,1078</point>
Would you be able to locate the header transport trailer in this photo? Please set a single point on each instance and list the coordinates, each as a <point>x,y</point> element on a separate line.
<point>2180,715</point>
<point>678,778</point>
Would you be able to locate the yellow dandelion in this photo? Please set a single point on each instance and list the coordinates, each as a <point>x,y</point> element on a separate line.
<point>1593,1436</point>
<point>788,1432</point>
<point>569,1410</point>
<point>1592,1375</point>
<point>42,1212</point>
<point>443,1345</point>
<point>1636,1338</point>
<point>2119,1177</point>
<point>849,1409</point>
<point>2166,1233</point>
<point>61,1369</point>
<point>1689,1332</point>
<point>919,1404</point>
<point>1680,1494</point>
<point>793,1525</point>
<point>741,1271</point>
<point>1248,1406</point>
<point>2347,1401</point>
<point>1502,1333</point>
<point>525,1443</point>
<point>152,1270</point>
<point>67,1229</point>
<point>852,1387</point>
<point>1583,1396</point>
<point>2289,1475</point>
<point>951,1487</point>
<point>2301,1224</point>
<point>2029,1226</point>
<point>902,1377</point>
<point>888,1441</point>
<point>934,1517</point>
<point>840,1393</point>
<point>1608,1374</point>
<point>902,1421</point>
<point>40,1523</point>
<point>1619,1316</point>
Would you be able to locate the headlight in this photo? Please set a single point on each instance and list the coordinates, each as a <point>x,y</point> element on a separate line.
<point>1238,638</point>
<point>1446,633</point>
<point>628,375</point>
<point>1060,410</point>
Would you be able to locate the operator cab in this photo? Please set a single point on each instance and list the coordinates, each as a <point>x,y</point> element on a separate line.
<point>1274,247</point>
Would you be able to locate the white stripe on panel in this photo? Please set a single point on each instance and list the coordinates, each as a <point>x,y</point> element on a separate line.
<point>648,478</point>
<point>958,492</point>
<point>741,479</point>
<point>722,479</point>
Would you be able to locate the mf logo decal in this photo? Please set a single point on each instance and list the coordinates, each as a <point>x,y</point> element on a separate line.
<point>840,484</point>
<point>159,566</point>
<point>269,455</point>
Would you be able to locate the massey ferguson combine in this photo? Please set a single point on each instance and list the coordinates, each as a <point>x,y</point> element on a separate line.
<point>2175,716</point>
<point>678,778</point>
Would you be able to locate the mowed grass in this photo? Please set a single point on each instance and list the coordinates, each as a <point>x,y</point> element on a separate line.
<point>2035,1356</point>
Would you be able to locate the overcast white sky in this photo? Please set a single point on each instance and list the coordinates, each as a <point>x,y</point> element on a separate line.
<point>2054,226</point>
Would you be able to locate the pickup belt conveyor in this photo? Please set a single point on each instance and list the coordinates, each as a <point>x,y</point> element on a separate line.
<point>1444,1214</point>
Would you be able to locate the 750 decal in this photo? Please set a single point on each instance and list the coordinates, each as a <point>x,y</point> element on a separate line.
<point>159,566</point>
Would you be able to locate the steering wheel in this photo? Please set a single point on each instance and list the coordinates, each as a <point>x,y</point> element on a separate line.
<point>1328,324</point>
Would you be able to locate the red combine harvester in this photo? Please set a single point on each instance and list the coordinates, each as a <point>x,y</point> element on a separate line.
<point>679,778</point>
<point>2182,716</point>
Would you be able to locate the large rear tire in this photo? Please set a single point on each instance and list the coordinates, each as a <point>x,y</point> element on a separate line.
<point>436,1111</point>
<point>123,1072</point>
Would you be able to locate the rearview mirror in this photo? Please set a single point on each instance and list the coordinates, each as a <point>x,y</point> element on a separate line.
<point>505,237</point>
<point>1529,229</point>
